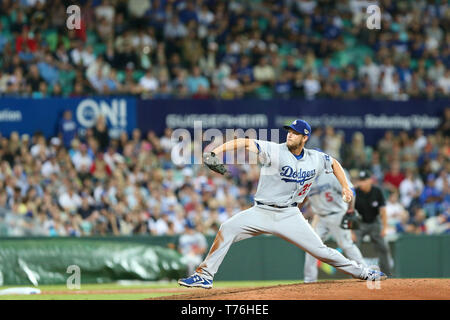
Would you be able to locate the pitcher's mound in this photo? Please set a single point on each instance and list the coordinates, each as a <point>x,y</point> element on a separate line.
<point>390,289</point>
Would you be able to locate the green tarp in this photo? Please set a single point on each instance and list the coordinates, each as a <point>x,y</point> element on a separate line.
<point>24,262</point>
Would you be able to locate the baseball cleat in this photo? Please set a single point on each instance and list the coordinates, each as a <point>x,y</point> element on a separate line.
<point>196,281</point>
<point>374,275</point>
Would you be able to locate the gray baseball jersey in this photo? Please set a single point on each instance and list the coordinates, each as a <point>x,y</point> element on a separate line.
<point>325,196</point>
<point>285,178</point>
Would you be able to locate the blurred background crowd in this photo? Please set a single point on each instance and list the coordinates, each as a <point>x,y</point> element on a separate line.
<point>225,49</point>
<point>95,185</point>
<point>71,185</point>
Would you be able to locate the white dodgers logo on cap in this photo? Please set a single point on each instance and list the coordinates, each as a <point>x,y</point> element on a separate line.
<point>294,123</point>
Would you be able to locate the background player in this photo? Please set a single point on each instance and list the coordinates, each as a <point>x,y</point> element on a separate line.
<point>328,207</point>
<point>286,176</point>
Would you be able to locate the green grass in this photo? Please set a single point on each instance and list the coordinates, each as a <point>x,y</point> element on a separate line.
<point>121,296</point>
<point>71,295</point>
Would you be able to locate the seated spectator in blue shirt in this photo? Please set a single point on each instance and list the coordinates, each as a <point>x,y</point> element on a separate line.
<point>48,70</point>
<point>245,69</point>
<point>196,80</point>
<point>291,69</point>
<point>67,129</point>
<point>188,13</point>
<point>157,15</point>
<point>348,84</point>
<point>42,92</point>
<point>283,86</point>
<point>4,38</point>
<point>404,72</point>
<point>431,197</point>
<point>174,29</point>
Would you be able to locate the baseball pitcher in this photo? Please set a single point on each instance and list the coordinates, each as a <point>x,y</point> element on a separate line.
<point>325,201</point>
<point>286,176</point>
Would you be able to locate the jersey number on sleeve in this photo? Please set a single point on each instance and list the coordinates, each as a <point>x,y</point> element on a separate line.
<point>305,189</point>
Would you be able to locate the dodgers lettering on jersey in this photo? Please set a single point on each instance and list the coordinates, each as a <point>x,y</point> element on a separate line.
<point>293,176</point>
<point>284,179</point>
<point>325,196</point>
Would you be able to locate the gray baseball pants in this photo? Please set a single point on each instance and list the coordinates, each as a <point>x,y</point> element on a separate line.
<point>286,223</point>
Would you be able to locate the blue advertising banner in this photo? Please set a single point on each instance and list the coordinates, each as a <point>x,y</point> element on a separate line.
<point>371,117</point>
<point>31,115</point>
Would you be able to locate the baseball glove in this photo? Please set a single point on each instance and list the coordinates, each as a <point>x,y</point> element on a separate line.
<point>351,220</point>
<point>212,162</point>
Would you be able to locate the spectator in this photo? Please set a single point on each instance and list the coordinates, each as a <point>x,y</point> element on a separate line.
<point>420,140</point>
<point>315,140</point>
<point>416,224</point>
<point>192,49</point>
<point>99,169</point>
<point>311,86</point>
<point>439,224</point>
<point>431,197</point>
<point>442,180</point>
<point>331,143</point>
<point>393,177</point>
<point>174,29</point>
<point>196,81</point>
<point>232,87</point>
<point>34,78</point>
<point>192,245</point>
<point>48,70</point>
<point>396,215</point>
<point>100,133</point>
<point>263,72</point>
<point>23,40</point>
<point>67,128</point>
<point>410,188</point>
<point>81,160</point>
<point>148,83</point>
<point>69,200</point>
<point>359,154</point>
<point>444,126</point>
<point>443,82</point>
<point>50,166</point>
<point>158,224</point>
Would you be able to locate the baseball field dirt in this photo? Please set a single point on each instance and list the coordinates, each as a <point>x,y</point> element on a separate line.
<point>391,289</point>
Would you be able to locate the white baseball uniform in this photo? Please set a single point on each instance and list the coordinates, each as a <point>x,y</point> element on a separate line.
<point>325,200</point>
<point>285,180</point>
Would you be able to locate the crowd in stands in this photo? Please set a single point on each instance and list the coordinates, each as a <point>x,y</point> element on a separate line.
<point>225,49</point>
<point>72,185</point>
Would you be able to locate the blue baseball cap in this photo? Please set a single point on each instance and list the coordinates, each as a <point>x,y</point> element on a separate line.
<point>300,126</point>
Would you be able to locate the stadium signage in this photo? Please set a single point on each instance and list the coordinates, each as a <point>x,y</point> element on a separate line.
<point>114,111</point>
<point>217,120</point>
<point>371,117</point>
<point>31,115</point>
<point>401,122</point>
<point>7,115</point>
<point>369,121</point>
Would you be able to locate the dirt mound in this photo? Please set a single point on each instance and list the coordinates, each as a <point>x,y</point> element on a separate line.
<point>391,289</point>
